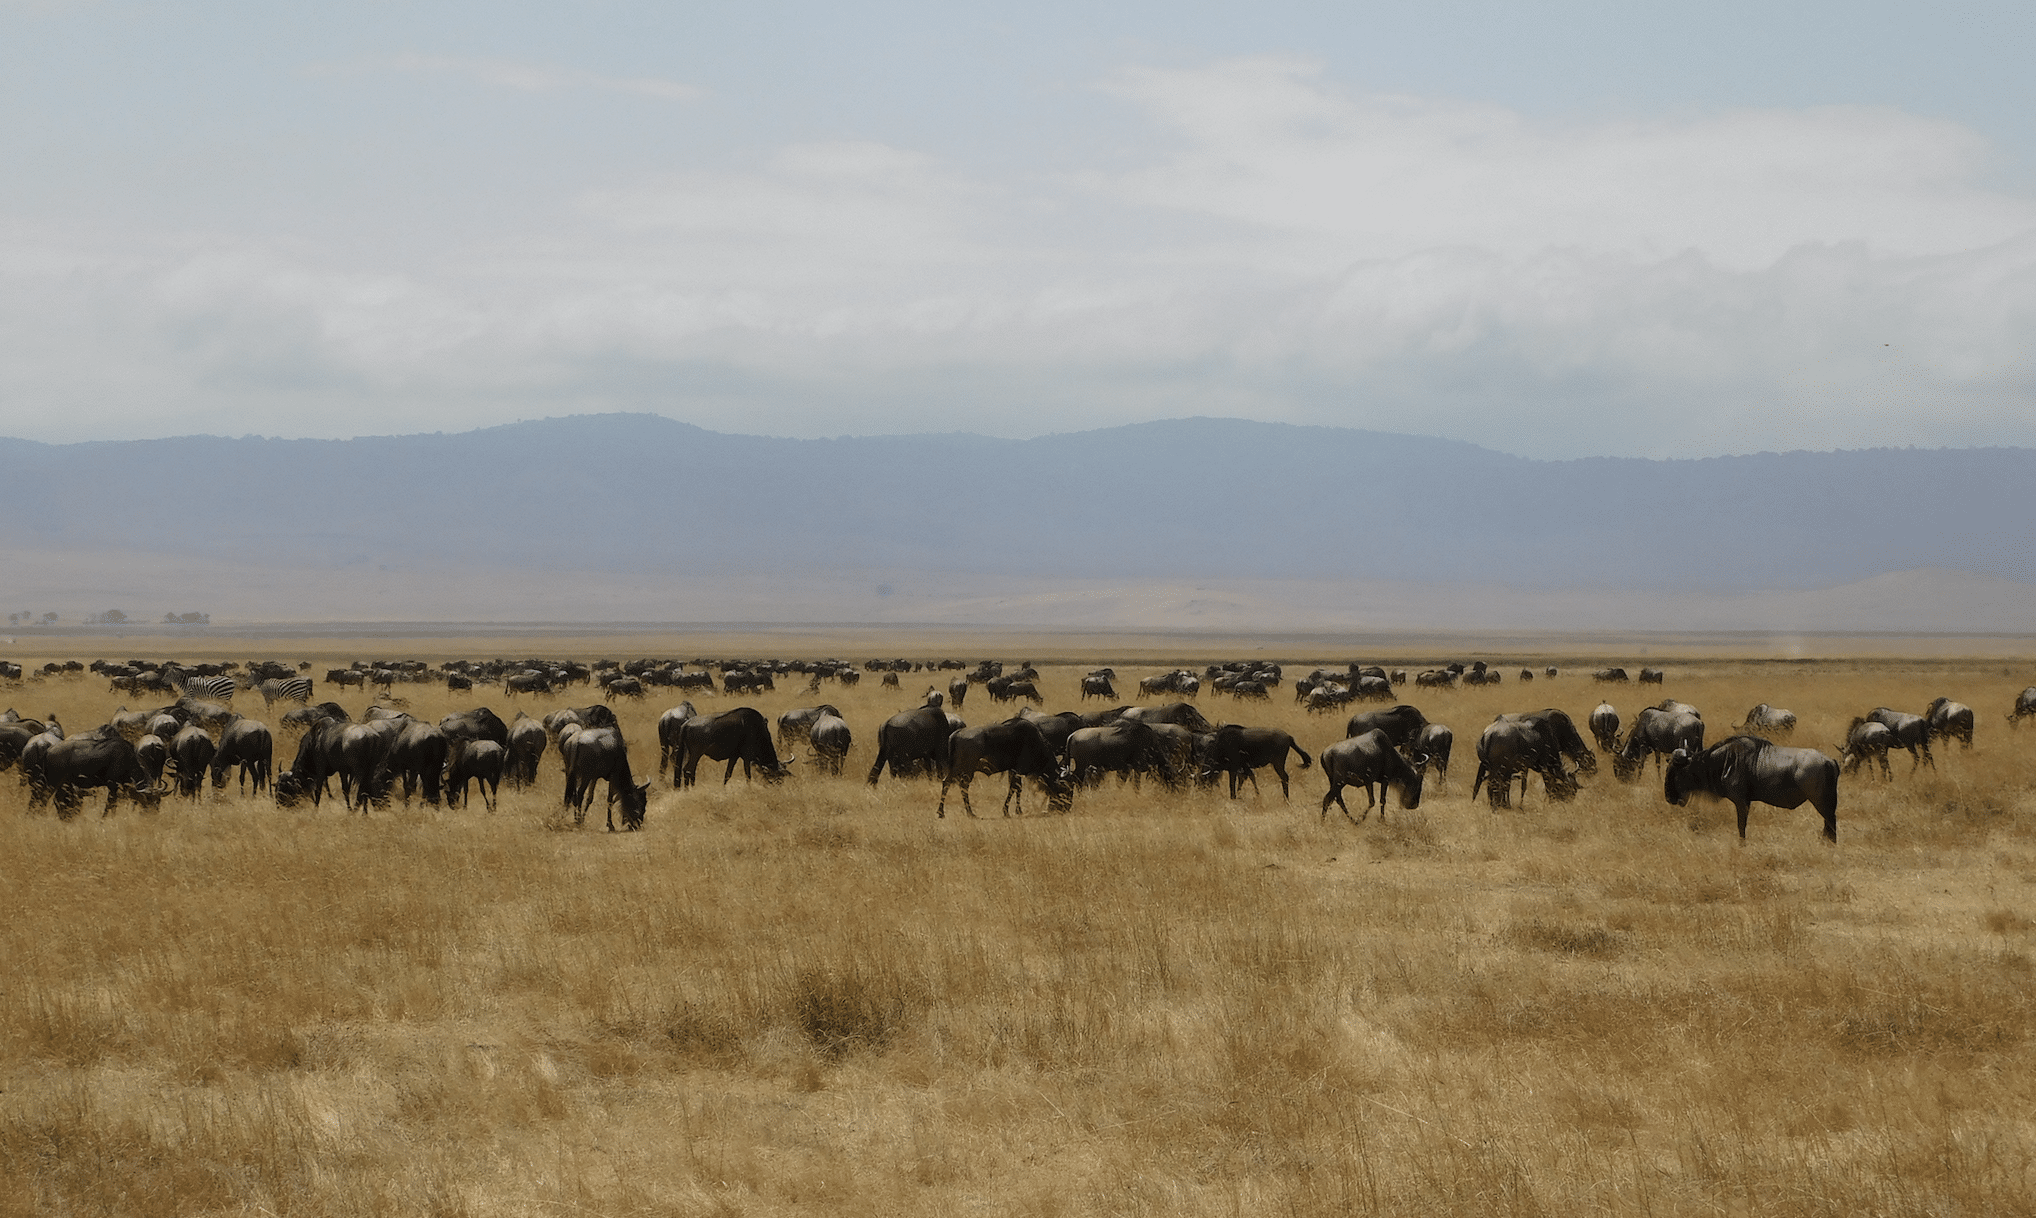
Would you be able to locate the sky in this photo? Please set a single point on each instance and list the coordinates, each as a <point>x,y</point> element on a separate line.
<point>1557,230</point>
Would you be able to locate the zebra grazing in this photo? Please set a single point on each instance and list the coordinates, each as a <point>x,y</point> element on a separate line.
<point>285,689</point>
<point>218,689</point>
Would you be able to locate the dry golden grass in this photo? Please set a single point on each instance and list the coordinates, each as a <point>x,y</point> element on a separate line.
<point>816,998</point>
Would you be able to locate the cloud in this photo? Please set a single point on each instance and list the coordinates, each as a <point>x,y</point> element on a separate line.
<point>1281,248</point>
<point>519,76</point>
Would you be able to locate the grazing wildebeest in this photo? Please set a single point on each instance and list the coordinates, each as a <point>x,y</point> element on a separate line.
<point>98,758</point>
<point>1768,721</point>
<point>1912,732</point>
<point>13,738</point>
<point>527,741</point>
<point>1095,686</point>
<point>417,756</point>
<point>735,736</point>
<point>1366,761</point>
<point>958,691</point>
<point>1747,770</point>
<point>623,687</point>
<point>479,723</point>
<point>1950,719</point>
<point>831,741</point>
<point>598,754</point>
<point>2025,706</point>
<point>1237,751</point>
<point>670,725</point>
<point>912,742</point>
<point>1537,742</point>
<point>1432,746</point>
<point>1866,740</point>
<point>165,725</point>
<point>361,748</point>
<point>247,744</point>
<point>1605,727</point>
<point>191,753</point>
<point>1173,712</point>
<point>1652,676</point>
<point>155,757</point>
<point>1056,728</point>
<point>475,760</point>
<point>1401,724</point>
<point>1126,748</point>
<point>1015,747</point>
<point>592,715</point>
<point>795,726</point>
<point>1657,733</point>
<point>1609,674</point>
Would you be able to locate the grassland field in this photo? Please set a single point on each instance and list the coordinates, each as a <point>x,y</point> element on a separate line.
<point>816,998</point>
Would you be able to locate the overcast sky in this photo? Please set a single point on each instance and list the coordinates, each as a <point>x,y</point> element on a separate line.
<point>1556,230</point>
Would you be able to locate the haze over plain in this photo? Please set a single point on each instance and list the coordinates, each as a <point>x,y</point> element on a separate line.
<point>1565,233</point>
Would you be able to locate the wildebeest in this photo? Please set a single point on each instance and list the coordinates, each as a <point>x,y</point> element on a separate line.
<point>1912,732</point>
<point>472,761</point>
<point>1237,751</point>
<point>1401,724</point>
<point>1015,747</point>
<point>831,741</point>
<point>479,723</point>
<point>1008,689</point>
<point>795,726</point>
<point>735,736</point>
<point>417,756</point>
<point>598,754</point>
<point>1126,748</point>
<point>1866,740</point>
<point>1432,746</point>
<point>911,742</point>
<point>247,744</point>
<point>1652,676</point>
<point>1366,761</point>
<point>1095,686</point>
<point>958,691</point>
<point>1056,728</point>
<point>1533,742</point>
<point>1605,727</point>
<point>1768,722</point>
<point>191,753</point>
<point>1172,712</point>
<point>1609,674</point>
<point>98,758</point>
<point>2025,706</point>
<point>670,725</point>
<point>527,741</point>
<point>1657,733</point>
<point>1950,719</point>
<point>1746,770</point>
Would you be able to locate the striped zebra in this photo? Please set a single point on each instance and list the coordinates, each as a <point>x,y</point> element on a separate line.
<point>286,689</point>
<point>219,689</point>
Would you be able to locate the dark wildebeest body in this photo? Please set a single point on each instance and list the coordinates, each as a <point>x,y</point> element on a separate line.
<point>527,741</point>
<point>1768,721</point>
<point>361,749</point>
<point>598,754</point>
<point>479,723</point>
<point>1015,747</point>
<point>1605,726</point>
<point>1366,761</point>
<point>155,757</point>
<point>1657,733</point>
<point>1181,713</point>
<point>1950,719</point>
<point>1056,728</point>
<point>912,742</point>
<point>1095,687</point>
<point>1912,732</point>
<point>1126,748</point>
<point>1746,770</point>
<point>98,758</point>
<point>417,756</point>
<point>1535,742</point>
<point>191,753</point>
<point>958,691</point>
<point>1866,740</point>
<point>1432,746</point>
<point>475,760</point>
<point>2025,707</point>
<point>1609,674</point>
<point>736,736</point>
<point>247,744</point>
<point>1237,751</point>
<point>831,741</point>
<point>1401,724</point>
<point>796,726</point>
<point>670,726</point>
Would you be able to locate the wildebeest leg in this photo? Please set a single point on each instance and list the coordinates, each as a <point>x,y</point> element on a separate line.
<point>1742,807</point>
<point>490,791</point>
<point>883,755</point>
<point>1016,789</point>
<point>1280,768</point>
<point>729,773</point>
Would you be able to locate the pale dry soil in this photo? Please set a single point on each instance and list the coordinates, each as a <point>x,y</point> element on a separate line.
<point>819,998</point>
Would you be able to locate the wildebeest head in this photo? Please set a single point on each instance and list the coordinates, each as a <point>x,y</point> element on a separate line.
<point>1675,784</point>
<point>288,788</point>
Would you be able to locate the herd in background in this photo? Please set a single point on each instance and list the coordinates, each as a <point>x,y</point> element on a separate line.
<point>147,754</point>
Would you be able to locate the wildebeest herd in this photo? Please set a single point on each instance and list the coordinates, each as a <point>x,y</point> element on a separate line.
<point>387,754</point>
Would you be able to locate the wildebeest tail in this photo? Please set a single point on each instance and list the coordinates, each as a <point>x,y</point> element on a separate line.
<point>1306,761</point>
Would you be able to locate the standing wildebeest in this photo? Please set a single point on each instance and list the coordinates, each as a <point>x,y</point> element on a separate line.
<point>1126,748</point>
<point>598,754</point>
<point>831,740</point>
<point>1866,740</point>
<point>912,742</point>
<point>479,723</point>
<point>191,753</point>
<point>245,743</point>
<point>1652,676</point>
<point>958,691</point>
<point>1365,761</point>
<point>1535,742</point>
<point>1056,728</point>
<point>739,735</point>
<point>1605,726</point>
<point>1950,719</point>
<point>1432,745</point>
<point>2025,706</point>
<point>1095,686</point>
<point>417,756</point>
<point>1238,751</point>
<point>1401,724</point>
<point>1657,733</point>
<point>1912,732</point>
<point>527,741</point>
<point>472,760</point>
<point>1173,712</point>
<point>1747,770</point>
<point>670,725</point>
<point>1765,720</point>
<point>1015,746</point>
<point>796,726</point>
<point>1609,674</point>
<point>98,758</point>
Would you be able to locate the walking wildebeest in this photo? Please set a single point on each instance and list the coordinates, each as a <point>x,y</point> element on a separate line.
<point>1657,733</point>
<point>912,742</point>
<point>740,736</point>
<point>1014,746</point>
<point>1366,761</point>
<point>1237,751</point>
<point>1866,740</point>
<point>245,743</point>
<point>1768,721</point>
<point>1912,732</point>
<point>1950,719</point>
<point>527,742</point>
<point>472,761</point>
<point>1747,770</point>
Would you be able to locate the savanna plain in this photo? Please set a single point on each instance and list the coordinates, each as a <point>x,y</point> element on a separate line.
<point>815,997</point>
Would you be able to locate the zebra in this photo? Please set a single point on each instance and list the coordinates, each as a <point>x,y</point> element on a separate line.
<point>286,689</point>
<point>218,689</point>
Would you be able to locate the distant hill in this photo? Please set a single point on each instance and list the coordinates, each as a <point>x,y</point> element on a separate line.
<point>1184,499</point>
